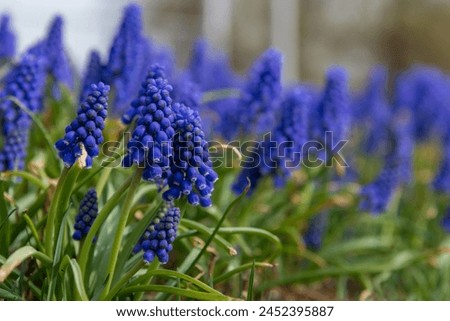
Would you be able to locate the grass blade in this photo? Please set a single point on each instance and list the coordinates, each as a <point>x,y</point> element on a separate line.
<point>18,257</point>
<point>4,223</point>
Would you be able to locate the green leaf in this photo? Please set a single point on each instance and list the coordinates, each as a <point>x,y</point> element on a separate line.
<point>78,280</point>
<point>240,269</point>
<point>4,223</point>
<point>53,161</point>
<point>9,296</point>
<point>131,239</point>
<point>218,225</point>
<point>34,232</point>
<point>182,276</point>
<point>98,222</point>
<point>18,257</point>
<point>197,295</point>
<point>257,232</point>
<point>250,283</point>
<point>202,229</point>
<point>33,179</point>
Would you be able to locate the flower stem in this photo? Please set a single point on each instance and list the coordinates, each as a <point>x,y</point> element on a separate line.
<point>120,229</point>
<point>123,280</point>
<point>102,215</point>
<point>50,226</point>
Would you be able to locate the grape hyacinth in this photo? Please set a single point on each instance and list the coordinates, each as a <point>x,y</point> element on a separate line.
<point>441,182</point>
<point>191,172</point>
<point>26,83</point>
<point>445,223</point>
<point>314,233</point>
<point>150,145</point>
<point>371,111</point>
<point>58,61</point>
<point>159,236</point>
<point>187,92</point>
<point>13,152</point>
<point>292,131</point>
<point>87,213</point>
<point>279,153</point>
<point>92,75</point>
<point>397,168</point>
<point>86,129</point>
<point>333,111</point>
<point>261,93</point>
<point>7,39</point>
<point>126,65</point>
<point>425,92</point>
<point>155,90</point>
<point>209,68</point>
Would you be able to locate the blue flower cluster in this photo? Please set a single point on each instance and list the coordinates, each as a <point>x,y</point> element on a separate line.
<point>425,92</point>
<point>261,94</point>
<point>58,61</point>
<point>155,91</point>
<point>397,167</point>
<point>314,233</point>
<point>169,142</point>
<point>26,83</point>
<point>278,154</point>
<point>442,180</point>
<point>446,221</point>
<point>333,112</point>
<point>209,68</point>
<point>92,75</point>
<point>191,171</point>
<point>126,65</point>
<point>209,71</point>
<point>86,129</point>
<point>371,112</point>
<point>157,240</point>
<point>150,145</point>
<point>7,39</point>
<point>87,213</point>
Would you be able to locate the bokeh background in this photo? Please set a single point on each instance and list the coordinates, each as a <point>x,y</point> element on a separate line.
<point>312,34</point>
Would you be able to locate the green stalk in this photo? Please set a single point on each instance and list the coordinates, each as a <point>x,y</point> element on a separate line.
<point>120,230</point>
<point>102,215</point>
<point>124,280</point>
<point>50,226</point>
<point>34,232</point>
<point>146,279</point>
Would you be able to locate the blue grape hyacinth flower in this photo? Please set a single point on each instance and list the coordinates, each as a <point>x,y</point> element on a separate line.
<point>92,75</point>
<point>7,39</point>
<point>191,173</point>
<point>155,91</point>
<point>261,94</point>
<point>150,145</point>
<point>87,213</point>
<point>445,223</point>
<point>157,240</point>
<point>371,112</point>
<point>425,91</point>
<point>313,235</point>
<point>333,111</point>
<point>128,57</point>
<point>58,61</point>
<point>26,83</point>
<point>13,152</point>
<point>397,166</point>
<point>280,151</point>
<point>441,182</point>
<point>86,128</point>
